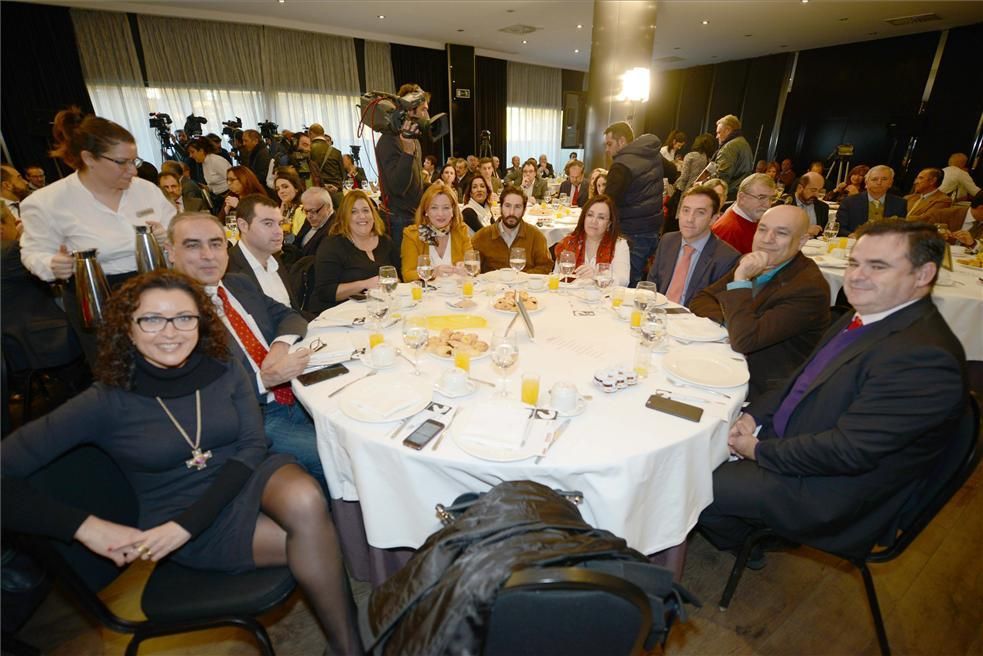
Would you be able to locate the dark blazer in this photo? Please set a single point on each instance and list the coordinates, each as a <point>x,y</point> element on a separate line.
<point>716,259</point>
<point>853,211</point>
<point>310,248</point>
<point>274,319</point>
<point>239,265</point>
<point>565,188</point>
<point>822,209</point>
<point>867,428</point>
<point>777,328</point>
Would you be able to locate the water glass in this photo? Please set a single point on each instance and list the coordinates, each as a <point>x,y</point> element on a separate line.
<point>415,336</point>
<point>424,269</point>
<point>643,360</point>
<point>378,306</point>
<point>602,275</point>
<point>472,262</point>
<point>517,259</point>
<point>567,265</point>
<point>388,279</point>
<point>504,354</point>
<point>653,326</point>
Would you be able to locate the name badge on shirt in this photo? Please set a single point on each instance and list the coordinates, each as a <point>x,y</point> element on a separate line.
<point>145,212</point>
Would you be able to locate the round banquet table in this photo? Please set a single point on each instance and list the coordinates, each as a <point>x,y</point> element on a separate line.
<point>961,303</point>
<point>644,475</point>
<point>557,223</point>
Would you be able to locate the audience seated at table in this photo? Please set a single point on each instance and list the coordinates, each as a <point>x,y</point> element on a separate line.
<point>598,182</point>
<point>163,358</point>
<point>348,260</point>
<point>318,215</point>
<point>495,241</point>
<point>575,186</point>
<point>514,175</point>
<point>463,176</point>
<point>689,260</point>
<point>544,168</point>
<point>875,203</point>
<point>850,434</point>
<point>242,182</point>
<point>257,253</point>
<point>438,231</point>
<point>476,213</point>
<point>213,165</point>
<point>448,174</point>
<point>774,303</point>
<point>170,184</point>
<point>738,225</point>
<point>957,183</point>
<point>965,224</point>
<point>486,170</point>
<point>597,240</point>
<point>926,196</point>
<point>853,185</point>
<point>288,188</point>
<point>532,185</point>
<point>805,196</point>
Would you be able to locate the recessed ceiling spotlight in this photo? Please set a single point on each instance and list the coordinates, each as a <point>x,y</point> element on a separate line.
<point>706,22</point>
<point>576,51</point>
<point>281,1</point>
<point>524,42</point>
<point>579,26</point>
<point>381,16</point>
<point>805,2</point>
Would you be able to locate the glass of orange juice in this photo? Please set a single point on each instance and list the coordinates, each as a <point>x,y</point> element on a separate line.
<point>530,389</point>
<point>643,360</point>
<point>375,339</point>
<point>467,287</point>
<point>553,282</point>
<point>618,297</point>
<point>462,360</point>
<point>416,292</point>
<point>636,319</point>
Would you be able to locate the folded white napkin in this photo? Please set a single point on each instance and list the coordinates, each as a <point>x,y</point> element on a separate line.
<point>341,315</point>
<point>396,399</point>
<point>338,348</point>
<point>495,424</point>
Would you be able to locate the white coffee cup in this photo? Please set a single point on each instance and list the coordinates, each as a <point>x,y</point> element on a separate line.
<point>536,283</point>
<point>624,311</point>
<point>839,253</point>
<point>563,397</point>
<point>454,381</point>
<point>383,355</point>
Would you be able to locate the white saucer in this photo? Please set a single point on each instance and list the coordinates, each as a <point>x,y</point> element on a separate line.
<point>471,387</point>
<point>371,365</point>
<point>579,409</point>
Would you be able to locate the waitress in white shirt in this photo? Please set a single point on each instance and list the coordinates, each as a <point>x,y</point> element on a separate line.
<point>98,207</point>
<point>214,167</point>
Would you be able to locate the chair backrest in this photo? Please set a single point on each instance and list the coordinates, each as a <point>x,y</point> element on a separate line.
<point>955,466</point>
<point>570,611</point>
<point>302,280</point>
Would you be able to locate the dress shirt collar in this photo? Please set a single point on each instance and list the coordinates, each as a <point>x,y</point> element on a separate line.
<point>509,236</point>
<point>877,316</point>
<point>271,263</point>
<point>698,244</point>
<point>879,201</point>
<point>739,212</point>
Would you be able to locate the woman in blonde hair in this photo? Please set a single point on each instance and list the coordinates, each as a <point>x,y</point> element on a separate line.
<point>438,231</point>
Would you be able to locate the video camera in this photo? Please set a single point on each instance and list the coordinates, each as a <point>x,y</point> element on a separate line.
<point>384,112</point>
<point>160,121</point>
<point>192,125</point>
<point>231,127</point>
<point>268,129</point>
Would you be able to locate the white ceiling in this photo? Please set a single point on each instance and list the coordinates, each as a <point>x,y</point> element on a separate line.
<point>737,28</point>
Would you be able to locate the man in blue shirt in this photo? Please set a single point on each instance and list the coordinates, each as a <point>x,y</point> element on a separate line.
<point>775,303</point>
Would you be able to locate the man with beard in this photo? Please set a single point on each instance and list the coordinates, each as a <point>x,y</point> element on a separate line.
<point>13,189</point>
<point>170,184</point>
<point>260,242</point>
<point>496,240</point>
<point>806,197</point>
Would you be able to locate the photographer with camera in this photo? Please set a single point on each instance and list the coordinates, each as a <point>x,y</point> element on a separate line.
<point>256,155</point>
<point>299,157</point>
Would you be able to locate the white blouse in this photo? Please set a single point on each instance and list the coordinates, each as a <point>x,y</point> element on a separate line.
<point>436,260</point>
<point>214,169</point>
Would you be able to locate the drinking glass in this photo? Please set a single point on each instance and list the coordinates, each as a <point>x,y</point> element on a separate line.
<point>504,354</point>
<point>231,225</point>
<point>653,326</point>
<point>643,297</point>
<point>831,230</point>
<point>530,389</point>
<point>517,259</point>
<point>388,279</point>
<point>378,306</point>
<point>602,275</point>
<point>568,263</point>
<point>472,262</point>
<point>643,360</point>
<point>415,336</point>
<point>424,269</point>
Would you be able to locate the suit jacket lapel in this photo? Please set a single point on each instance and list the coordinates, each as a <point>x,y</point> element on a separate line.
<point>700,279</point>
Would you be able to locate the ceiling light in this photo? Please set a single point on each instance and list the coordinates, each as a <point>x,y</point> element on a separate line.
<point>635,85</point>
<point>524,42</point>
<point>579,26</point>
<point>576,51</point>
<point>805,2</point>
<point>381,16</point>
<point>706,22</point>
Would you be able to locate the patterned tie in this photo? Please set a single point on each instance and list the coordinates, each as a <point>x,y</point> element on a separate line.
<point>254,348</point>
<point>856,323</point>
<point>573,198</point>
<point>875,211</point>
<point>678,283</point>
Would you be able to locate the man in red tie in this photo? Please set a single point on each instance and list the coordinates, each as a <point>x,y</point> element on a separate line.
<point>262,332</point>
<point>575,186</point>
<point>850,435</point>
<point>689,260</point>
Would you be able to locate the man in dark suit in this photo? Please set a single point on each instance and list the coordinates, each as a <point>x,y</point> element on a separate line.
<point>171,186</point>
<point>806,197</point>
<point>847,438</point>
<point>689,260</point>
<point>926,196</point>
<point>191,193</point>
<point>260,242</point>
<point>261,331</point>
<point>256,156</point>
<point>575,186</point>
<point>319,211</point>
<point>874,204</point>
<point>775,303</point>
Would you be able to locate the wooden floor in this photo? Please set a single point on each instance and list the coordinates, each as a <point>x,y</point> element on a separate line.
<point>801,603</point>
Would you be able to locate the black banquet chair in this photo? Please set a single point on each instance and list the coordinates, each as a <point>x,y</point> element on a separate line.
<point>951,472</point>
<point>176,599</point>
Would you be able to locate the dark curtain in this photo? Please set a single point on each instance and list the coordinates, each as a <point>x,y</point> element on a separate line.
<point>490,93</point>
<point>42,74</point>
<point>428,68</point>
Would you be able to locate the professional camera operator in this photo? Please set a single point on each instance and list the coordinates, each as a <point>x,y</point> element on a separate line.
<point>256,155</point>
<point>401,168</point>
<point>300,156</point>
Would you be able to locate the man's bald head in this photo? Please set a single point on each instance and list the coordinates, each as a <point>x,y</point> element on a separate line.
<point>959,160</point>
<point>782,232</point>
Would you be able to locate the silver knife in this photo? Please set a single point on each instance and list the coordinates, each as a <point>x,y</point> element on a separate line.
<point>553,438</point>
<point>450,420</point>
<point>400,427</point>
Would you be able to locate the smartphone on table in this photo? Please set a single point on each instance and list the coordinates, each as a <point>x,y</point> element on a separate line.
<point>329,372</point>
<point>425,432</point>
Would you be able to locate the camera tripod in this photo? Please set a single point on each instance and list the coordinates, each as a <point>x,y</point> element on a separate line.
<point>485,147</point>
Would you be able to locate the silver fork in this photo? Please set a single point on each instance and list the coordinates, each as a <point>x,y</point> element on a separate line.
<point>371,373</point>
<point>702,389</point>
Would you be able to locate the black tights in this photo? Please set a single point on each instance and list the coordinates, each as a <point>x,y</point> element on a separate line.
<point>295,529</point>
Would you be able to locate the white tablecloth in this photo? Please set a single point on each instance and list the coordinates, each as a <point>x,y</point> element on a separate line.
<point>645,475</point>
<point>558,226</point>
<point>961,303</point>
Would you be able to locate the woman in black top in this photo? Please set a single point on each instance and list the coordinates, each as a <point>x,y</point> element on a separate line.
<point>180,418</point>
<point>476,213</point>
<point>348,260</point>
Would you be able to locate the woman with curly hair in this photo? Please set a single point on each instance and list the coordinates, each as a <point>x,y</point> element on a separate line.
<point>438,231</point>
<point>598,182</point>
<point>242,182</point>
<point>180,418</point>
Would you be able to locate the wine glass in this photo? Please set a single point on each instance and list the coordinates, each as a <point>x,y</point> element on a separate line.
<point>602,275</point>
<point>388,279</point>
<point>472,262</point>
<point>831,230</point>
<point>653,326</point>
<point>378,306</point>
<point>517,260</point>
<point>424,269</point>
<point>644,296</point>
<point>415,336</point>
<point>568,263</point>
<point>504,354</point>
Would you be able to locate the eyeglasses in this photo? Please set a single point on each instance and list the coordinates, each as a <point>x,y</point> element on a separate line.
<point>310,211</point>
<point>155,324</point>
<point>762,198</point>
<point>136,161</point>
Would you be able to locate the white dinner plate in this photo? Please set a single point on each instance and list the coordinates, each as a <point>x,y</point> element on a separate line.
<point>706,367</point>
<point>483,334</point>
<point>660,299</point>
<point>695,329</point>
<point>504,276</point>
<point>488,451</point>
<point>361,398</point>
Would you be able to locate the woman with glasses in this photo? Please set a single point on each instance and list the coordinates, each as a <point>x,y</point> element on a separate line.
<point>213,166</point>
<point>98,206</point>
<point>242,182</point>
<point>179,417</point>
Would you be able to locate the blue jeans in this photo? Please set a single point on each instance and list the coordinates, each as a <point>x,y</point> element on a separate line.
<point>291,430</point>
<point>640,249</point>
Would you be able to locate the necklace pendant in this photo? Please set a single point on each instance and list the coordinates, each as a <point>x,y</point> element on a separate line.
<point>198,459</point>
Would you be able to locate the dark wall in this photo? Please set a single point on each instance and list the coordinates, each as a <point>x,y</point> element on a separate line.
<point>460,62</point>
<point>490,94</point>
<point>37,38</point>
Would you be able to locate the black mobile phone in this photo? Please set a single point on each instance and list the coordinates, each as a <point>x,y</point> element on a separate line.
<point>329,372</point>
<point>423,434</point>
<point>674,408</point>
<point>677,310</point>
<point>358,297</point>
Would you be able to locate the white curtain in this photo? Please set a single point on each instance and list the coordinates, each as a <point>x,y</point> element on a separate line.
<point>378,68</point>
<point>109,64</point>
<point>534,114</point>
